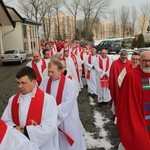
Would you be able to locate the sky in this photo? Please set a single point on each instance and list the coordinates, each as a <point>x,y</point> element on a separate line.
<point>137,3</point>
<point>115,3</point>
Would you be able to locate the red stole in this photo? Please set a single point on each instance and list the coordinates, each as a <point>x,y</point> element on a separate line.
<point>36,105</point>
<point>59,100</point>
<point>77,49</point>
<point>60,88</point>
<point>104,80</point>
<point>3,129</point>
<point>81,55</point>
<point>83,69</point>
<point>88,71</point>
<point>76,65</point>
<point>51,53</point>
<point>35,68</point>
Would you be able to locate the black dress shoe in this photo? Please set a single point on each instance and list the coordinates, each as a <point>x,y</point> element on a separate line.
<point>100,104</point>
<point>105,103</point>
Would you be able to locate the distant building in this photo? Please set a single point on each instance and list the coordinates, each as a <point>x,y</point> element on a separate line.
<point>66,27</point>
<point>104,30</point>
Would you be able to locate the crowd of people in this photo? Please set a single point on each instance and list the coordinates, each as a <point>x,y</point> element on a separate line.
<point>44,113</point>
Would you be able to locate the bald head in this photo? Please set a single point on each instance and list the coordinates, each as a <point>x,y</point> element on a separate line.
<point>36,56</point>
<point>104,53</point>
<point>145,61</point>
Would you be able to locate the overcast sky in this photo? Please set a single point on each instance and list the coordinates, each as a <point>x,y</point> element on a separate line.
<point>137,3</point>
<point>115,3</point>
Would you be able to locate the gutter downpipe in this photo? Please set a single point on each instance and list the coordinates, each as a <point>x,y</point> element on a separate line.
<point>3,35</point>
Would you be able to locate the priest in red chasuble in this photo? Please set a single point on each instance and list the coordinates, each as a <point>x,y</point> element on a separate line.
<point>134,107</point>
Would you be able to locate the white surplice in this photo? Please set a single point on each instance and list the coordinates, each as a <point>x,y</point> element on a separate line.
<point>39,64</point>
<point>68,114</point>
<point>15,140</point>
<point>92,81</point>
<point>104,94</point>
<point>44,135</point>
<point>72,69</point>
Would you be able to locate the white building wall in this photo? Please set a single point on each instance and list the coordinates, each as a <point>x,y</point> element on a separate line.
<point>1,43</point>
<point>14,38</point>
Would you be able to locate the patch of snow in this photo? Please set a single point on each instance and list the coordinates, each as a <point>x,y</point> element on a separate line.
<point>96,143</point>
<point>92,101</point>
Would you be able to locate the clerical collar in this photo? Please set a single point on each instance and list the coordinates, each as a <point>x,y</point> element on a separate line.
<point>56,79</point>
<point>32,94</point>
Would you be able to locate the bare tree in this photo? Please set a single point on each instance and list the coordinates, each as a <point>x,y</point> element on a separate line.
<point>73,7</point>
<point>47,22</point>
<point>145,10</point>
<point>35,9</point>
<point>133,18</point>
<point>114,18</point>
<point>57,7</point>
<point>124,17</point>
<point>92,9</point>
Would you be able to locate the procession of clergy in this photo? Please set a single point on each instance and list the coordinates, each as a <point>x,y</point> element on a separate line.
<point>45,110</point>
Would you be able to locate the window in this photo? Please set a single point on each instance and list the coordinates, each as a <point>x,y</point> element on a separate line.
<point>24,31</point>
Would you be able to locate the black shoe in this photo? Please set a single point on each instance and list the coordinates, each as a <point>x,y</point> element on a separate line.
<point>100,104</point>
<point>105,103</point>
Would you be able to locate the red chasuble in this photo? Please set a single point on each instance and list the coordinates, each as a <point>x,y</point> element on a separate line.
<point>35,68</point>
<point>115,70</point>
<point>59,100</point>
<point>134,110</point>
<point>3,129</point>
<point>34,112</point>
<point>104,80</point>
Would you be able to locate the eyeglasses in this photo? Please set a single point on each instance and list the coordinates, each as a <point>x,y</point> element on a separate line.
<point>146,61</point>
<point>123,57</point>
<point>35,56</point>
<point>134,59</point>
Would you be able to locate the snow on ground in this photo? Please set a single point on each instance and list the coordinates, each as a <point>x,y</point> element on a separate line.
<point>92,101</point>
<point>99,122</point>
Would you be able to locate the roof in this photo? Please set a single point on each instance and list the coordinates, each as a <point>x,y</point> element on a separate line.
<point>9,16</point>
<point>28,21</point>
<point>14,14</point>
<point>18,18</point>
<point>5,18</point>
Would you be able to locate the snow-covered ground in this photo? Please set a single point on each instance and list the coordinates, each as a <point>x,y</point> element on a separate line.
<point>99,123</point>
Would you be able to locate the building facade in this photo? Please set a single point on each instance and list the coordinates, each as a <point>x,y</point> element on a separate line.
<point>62,24</point>
<point>21,34</point>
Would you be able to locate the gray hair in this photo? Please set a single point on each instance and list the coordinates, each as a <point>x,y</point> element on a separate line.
<point>124,52</point>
